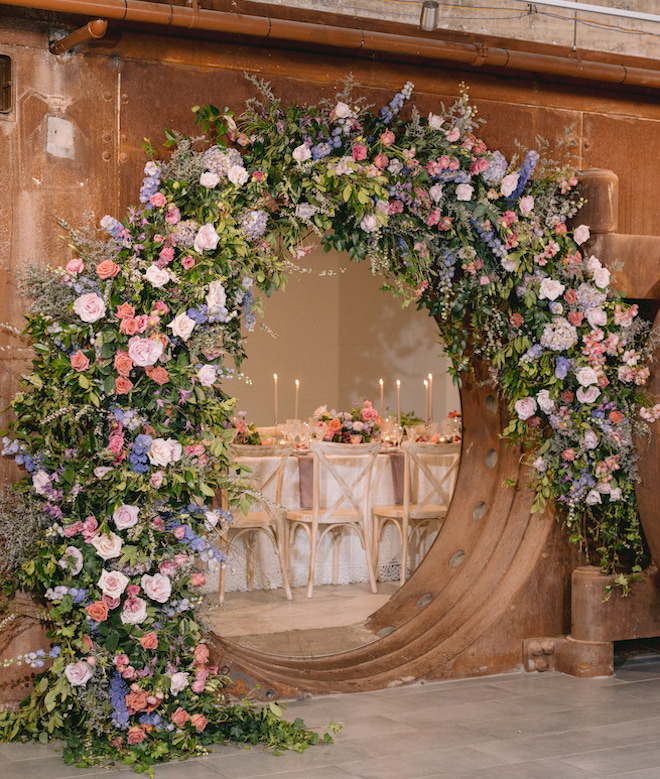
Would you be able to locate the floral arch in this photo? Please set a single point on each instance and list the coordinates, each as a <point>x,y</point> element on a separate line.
<point>123,424</point>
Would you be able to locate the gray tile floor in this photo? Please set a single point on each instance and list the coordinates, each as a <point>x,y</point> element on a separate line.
<point>513,726</point>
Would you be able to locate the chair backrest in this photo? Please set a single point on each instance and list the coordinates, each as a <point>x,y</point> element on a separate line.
<point>430,475</point>
<point>342,478</point>
<point>267,464</point>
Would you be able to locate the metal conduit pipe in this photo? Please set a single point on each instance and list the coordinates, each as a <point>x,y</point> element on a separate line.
<point>96,28</point>
<point>472,54</point>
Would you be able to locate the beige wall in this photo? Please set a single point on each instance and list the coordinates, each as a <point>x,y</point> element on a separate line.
<point>339,334</point>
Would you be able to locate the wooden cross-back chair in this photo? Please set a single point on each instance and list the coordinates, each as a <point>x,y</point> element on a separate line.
<point>340,501</point>
<point>265,515</point>
<point>430,472</point>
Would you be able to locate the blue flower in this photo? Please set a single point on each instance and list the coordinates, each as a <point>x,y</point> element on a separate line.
<point>561,367</point>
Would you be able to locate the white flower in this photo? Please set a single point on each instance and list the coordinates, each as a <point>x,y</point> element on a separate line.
<point>89,307</point>
<point>593,497</point>
<point>144,351</point>
<point>41,481</point>
<point>181,326</point>
<point>79,673</point>
<point>206,238</point>
<point>216,300</point>
<point>581,234</point>
<point>597,317</point>
<point>525,408</point>
<point>540,464</point>
<point>370,223</point>
<point>320,411</point>
<point>588,394</point>
<point>238,175</point>
<point>586,376</point>
<point>601,278</point>
<point>508,264</point>
<point>207,375</point>
<point>157,587</point>
<point>464,192</point>
<point>107,545</point>
<point>590,439</point>
<point>102,470</point>
<point>342,111</point>
<point>305,210</point>
<point>615,494</point>
<point>435,193</point>
<point>435,121</point>
<point>74,567</point>
<point>301,153</point>
<point>211,519</point>
<point>546,403</point>
<point>157,277</point>
<point>163,451</point>
<point>125,516</point>
<point>209,180</point>
<point>509,183</point>
<point>113,583</point>
<point>178,682</point>
<point>593,264</point>
<point>550,289</point>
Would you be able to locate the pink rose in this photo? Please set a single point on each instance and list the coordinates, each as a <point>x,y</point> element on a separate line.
<point>182,326</point>
<point>149,641</point>
<point>370,223</point>
<point>121,661</point>
<point>107,269</point>
<point>89,307</point>
<point>550,289</point>
<point>157,587</point>
<point>464,192</point>
<point>508,184</point>
<point>75,266</point>
<point>72,560</point>
<point>209,180</point>
<point>79,362</point>
<point>157,277</point>
<point>526,205</point>
<point>597,317</point>
<point>199,722</point>
<point>198,686</point>
<point>201,654</point>
<point>125,516</point>
<point>113,583</point>
<point>168,567</point>
<point>206,238</point>
<point>188,262</point>
<point>158,200</point>
<point>387,138</point>
<point>180,717</point>
<point>587,376</point>
<point>144,351</point>
<point>79,673</point>
<point>601,277</point>
<point>135,734</point>
<point>359,152</point>
<point>173,215</point>
<point>156,480</point>
<point>107,545</point>
<point>134,611</point>
<point>238,175</point>
<point>198,579</point>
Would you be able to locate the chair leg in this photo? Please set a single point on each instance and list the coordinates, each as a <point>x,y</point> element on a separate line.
<point>404,553</point>
<point>249,561</point>
<point>375,541</point>
<point>282,551</point>
<point>223,576</point>
<point>313,541</point>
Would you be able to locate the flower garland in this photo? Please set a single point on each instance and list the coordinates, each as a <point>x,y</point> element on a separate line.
<point>124,428</point>
<point>362,424</point>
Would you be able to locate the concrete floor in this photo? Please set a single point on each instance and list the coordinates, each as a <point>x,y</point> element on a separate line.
<point>513,726</point>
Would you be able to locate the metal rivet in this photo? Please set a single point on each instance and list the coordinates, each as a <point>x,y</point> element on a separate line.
<point>106,137</point>
<point>479,511</point>
<point>424,600</point>
<point>491,458</point>
<point>385,631</point>
<point>269,694</point>
<point>123,157</point>
<point>456,559</point>
<point>107,95</point>
<point>106,156</point>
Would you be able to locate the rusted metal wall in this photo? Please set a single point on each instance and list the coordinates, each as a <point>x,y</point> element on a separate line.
<point>72,143</point>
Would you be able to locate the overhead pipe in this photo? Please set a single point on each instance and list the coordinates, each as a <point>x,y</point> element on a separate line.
<point>94,29</point>
<point>472,54</point>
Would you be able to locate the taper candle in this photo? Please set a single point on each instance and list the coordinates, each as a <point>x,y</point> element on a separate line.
<point>381,397</point>
<point>430,397</point>
<point>426,401</point>
<point>398,401</point>
<point>295,416</point>
<point>275,387</point>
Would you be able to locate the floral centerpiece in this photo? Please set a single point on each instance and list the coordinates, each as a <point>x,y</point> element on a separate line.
<point>359,425</point>
<point>244,432</point>
<point>123,425</point>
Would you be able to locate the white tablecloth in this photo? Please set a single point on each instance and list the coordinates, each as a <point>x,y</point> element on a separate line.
<point>352,563</point>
